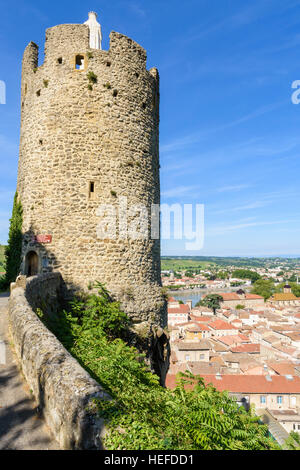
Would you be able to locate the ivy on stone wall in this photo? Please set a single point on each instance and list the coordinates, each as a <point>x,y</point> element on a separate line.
<point>14,248</point>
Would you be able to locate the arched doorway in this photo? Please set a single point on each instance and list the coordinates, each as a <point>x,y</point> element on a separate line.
<point>31,264</point>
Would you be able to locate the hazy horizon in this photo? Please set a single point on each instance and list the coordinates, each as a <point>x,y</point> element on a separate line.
<point>229,135</point>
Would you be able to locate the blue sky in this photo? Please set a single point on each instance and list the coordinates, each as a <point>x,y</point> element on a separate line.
<point>229,135</point>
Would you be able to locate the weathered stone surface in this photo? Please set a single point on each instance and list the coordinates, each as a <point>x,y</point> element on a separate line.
<point>72,136</point>
<point>74,133</point>
<point>62,388</point>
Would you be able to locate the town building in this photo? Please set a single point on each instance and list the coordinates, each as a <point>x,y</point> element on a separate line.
<point>233,299</point>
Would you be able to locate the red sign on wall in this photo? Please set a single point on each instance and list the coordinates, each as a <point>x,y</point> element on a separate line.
<point>43,238</point>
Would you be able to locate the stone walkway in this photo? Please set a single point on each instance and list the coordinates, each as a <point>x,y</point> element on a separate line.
<point>20,427</point>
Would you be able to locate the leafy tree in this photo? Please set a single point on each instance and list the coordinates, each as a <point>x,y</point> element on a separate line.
<point>246,274</point>
<point>294,286</point>
<point>212,301</point>
<point>263,287</point>
<point>189,274</point>
<point>240,307</point>
<point>14,248</point>
<point>295,289</point>
<point>222,275</point>
<point>292,442</point>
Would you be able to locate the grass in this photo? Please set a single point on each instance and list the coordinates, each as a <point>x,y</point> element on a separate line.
<point>179,264</point>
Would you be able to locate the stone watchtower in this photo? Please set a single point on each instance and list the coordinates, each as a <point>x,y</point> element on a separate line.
<point>90,137</point>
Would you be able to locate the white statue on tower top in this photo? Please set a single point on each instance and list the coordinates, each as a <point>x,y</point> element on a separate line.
<point>95,31</point>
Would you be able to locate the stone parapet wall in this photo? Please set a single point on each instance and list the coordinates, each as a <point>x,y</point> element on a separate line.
<point>63,390</point>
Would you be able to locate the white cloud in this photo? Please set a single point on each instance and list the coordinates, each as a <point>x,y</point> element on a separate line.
<point>223,229</point>
<point>179,191</point>
<point>196,137</point>
<point>233,188</point>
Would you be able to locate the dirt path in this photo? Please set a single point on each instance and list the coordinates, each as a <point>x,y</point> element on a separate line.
<point>20,427</point>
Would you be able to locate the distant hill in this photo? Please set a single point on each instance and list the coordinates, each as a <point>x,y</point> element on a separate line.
<point>177,262</point>
<point>2,258</point>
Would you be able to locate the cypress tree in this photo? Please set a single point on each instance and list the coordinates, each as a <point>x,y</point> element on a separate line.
<point>14,248</point>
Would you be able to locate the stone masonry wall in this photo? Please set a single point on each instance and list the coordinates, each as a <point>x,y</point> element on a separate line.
<point>72,136</point>
<point>63,390</point>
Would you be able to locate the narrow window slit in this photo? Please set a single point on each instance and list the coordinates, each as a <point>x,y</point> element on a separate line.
<point>92,190</point>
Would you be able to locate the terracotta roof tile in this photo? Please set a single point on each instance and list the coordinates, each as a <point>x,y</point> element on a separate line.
<point>247,348</point>
<point>221,325</point>
<point>189,346</point>
<point>181,309</point>
<point>248,383</point>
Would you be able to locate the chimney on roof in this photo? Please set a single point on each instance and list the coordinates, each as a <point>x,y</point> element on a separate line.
<point>218,376</point>
<point>190,304</point>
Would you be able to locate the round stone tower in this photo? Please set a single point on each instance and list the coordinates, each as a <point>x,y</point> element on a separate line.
<point>90,139</point>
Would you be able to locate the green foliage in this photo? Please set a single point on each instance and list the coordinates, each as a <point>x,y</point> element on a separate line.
<point>46,83</point>
<point>292,442</point>
<point>182,264</point>
<point>294,286</point>
<point>92,77</point>
<point>222,275</point>
<point>240,307</point>
<point>189,274</point>
<point>265,288</point>
<point>212,301</point>
<point>295,289</point>
<point>142,415</point>
<point>3,284</point>
<point>2,258</point>
<point>246,274</point>
<point>107,86</point>
<point>14,247</point>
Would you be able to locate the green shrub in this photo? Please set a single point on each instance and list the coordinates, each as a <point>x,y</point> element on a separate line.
<point>92,77</point>
<point>240,307</point>
<point>142,415</point>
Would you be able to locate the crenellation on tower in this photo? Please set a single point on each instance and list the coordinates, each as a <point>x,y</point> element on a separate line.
<point>127,51</point>
<point>30,58</point>
<point>65,38</point>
